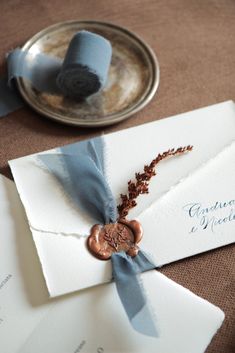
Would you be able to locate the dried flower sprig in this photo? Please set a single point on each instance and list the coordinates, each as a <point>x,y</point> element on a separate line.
<point>140,186</point>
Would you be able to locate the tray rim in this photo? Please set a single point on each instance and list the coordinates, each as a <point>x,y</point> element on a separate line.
<point>109,119</point>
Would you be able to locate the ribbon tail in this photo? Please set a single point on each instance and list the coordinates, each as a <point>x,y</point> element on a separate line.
<point>131,291</point>
<point>79,169</point>
<point>10,100</point>
<point>40,70</point>
<point>93,148</point>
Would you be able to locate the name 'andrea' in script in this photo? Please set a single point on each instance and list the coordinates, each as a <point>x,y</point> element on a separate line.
<point>210,217</point>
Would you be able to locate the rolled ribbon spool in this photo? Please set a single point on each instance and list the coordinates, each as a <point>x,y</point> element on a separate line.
<point>85,67</point>
<point>83,72</point>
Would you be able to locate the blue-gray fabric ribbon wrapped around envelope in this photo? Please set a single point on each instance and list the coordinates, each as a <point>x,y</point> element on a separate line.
<point>83,72</point>
<point>126,272</point>
<point>80,169</point>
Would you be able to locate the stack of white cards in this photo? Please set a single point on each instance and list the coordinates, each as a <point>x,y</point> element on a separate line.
<point>189,210</point>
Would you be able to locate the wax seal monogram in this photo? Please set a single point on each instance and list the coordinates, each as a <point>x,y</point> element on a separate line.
<point>106,239</point>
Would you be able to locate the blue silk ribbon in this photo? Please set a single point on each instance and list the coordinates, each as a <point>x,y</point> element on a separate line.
<point>80,170</point>
<point>10,100</point>
<point>126,272</point>
<point>83,71</point>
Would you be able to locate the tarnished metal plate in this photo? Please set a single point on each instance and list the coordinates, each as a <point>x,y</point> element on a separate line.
<point>132,81</point>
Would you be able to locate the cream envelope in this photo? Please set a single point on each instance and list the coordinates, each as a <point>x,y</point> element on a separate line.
<point>59,228</point>
<point>30,322</point>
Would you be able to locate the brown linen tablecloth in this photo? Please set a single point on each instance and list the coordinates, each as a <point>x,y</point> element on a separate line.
<point>194,41</point>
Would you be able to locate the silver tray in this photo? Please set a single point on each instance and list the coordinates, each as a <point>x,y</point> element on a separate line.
<point>132,81</point>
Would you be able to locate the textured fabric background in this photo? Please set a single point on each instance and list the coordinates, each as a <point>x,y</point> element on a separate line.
<point>194,41</point>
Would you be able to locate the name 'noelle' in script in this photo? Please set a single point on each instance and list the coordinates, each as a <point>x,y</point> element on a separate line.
<point>212,216</point>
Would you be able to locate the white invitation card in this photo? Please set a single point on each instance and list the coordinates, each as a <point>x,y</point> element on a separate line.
<point>189,208</point>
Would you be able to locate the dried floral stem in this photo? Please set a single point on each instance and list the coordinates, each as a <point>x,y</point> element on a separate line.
<point>140,186</point>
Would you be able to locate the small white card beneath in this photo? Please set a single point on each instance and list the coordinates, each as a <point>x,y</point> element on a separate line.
<point>92,320</point>
<point>189,208</point>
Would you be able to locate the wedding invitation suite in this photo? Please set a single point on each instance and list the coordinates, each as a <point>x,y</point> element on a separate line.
<point>189,208</point>
<point>92,320</point>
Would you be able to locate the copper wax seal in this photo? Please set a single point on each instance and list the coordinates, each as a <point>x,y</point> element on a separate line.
<point>106,239</point>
